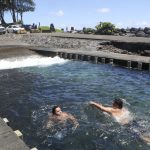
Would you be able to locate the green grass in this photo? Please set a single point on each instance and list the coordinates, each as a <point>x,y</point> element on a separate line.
<point>58,30</point>
<point>44,27</point>
<point>47,28</point>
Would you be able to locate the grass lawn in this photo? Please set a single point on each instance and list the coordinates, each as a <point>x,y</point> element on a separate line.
<point>47,28</point>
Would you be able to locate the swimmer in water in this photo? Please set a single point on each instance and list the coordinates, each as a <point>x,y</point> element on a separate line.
<point>58,116</point>
<point>120,114</point>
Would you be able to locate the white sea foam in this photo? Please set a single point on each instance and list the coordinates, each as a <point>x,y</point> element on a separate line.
<point>125,101</point>
<point>30,61</point>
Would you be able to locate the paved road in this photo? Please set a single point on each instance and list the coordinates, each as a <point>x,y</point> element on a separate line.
<point>104,37</point>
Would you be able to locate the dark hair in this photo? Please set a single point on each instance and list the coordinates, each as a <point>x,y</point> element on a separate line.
<point>53,109</point>
<point>118,103</point>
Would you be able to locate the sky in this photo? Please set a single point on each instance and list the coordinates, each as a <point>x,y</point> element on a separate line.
<point>88,13</point>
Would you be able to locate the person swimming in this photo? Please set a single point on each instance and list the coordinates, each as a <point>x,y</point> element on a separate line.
<point>121,115</point>
<point>60,118</point>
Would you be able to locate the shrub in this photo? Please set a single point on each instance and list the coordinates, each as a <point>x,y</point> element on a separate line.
<point>105,28</point>
<point>88,30</point>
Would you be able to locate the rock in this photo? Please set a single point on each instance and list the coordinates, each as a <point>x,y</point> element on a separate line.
<point>133,30</point>
<point>147,52</point>
<point>123,30</point>
<point>140,34</point>
<point>129,53</point>
<point>105,43</point>
<point>148,36</point>
<point>124,52</point>
<point>122,34</point>
<point>147,31</point>
<point>99,47</point>
<point>130,34</point>
<point>140,29</point>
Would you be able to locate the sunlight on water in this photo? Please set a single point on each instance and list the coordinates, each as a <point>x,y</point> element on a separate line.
<point>30,61</point>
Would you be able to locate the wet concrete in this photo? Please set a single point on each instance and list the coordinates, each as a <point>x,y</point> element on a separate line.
<point>9,140</point>
<point>9,52</point>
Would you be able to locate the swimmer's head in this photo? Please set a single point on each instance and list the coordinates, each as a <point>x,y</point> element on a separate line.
<point>117,103</point>
<point>56,110</point>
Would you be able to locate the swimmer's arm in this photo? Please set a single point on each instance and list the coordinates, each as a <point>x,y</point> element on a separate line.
<point>145,138</point>
<point>101,107</point>
<point>49,124</point>
<point>73,119</point>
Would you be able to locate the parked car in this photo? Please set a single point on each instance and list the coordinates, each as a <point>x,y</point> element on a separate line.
<point>27,27</point>
<point>2,30</point>
<point>15,29</point>
<point>31,28</point>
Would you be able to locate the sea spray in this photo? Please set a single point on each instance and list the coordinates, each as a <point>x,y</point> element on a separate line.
<point>30,61</point>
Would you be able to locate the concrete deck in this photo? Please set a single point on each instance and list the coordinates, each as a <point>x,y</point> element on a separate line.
<point>110,55</point>
<point>130,61</point>
<point>9,140</point>
<point>14,44</point>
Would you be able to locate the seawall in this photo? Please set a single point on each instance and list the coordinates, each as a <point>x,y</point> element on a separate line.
<point>130,52</point>
<point>116,44</point>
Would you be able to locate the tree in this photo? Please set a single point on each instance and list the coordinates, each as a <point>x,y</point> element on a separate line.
<point>88,30</point>
<point>15,7</point>
<point>3,8</point>
<point>24,6</point>
<point>106,28</point>
<point>12,7</point>
<point>9,5</point>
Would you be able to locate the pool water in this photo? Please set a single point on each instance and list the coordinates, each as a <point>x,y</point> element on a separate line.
<point>28,93</point>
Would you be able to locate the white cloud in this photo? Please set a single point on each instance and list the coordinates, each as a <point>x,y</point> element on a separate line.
<point>59,13</point>
<point>103,10</point>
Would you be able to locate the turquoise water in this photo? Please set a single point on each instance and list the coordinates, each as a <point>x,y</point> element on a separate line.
<point>28,94</point>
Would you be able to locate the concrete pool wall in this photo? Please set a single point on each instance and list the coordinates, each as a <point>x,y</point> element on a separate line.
<point>130,52</point>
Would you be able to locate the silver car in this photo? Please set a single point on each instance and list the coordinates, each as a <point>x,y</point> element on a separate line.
<point>15,29</point>
<point>2,30</point>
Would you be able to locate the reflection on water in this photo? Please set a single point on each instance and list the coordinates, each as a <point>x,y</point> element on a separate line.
<point>28,95</point>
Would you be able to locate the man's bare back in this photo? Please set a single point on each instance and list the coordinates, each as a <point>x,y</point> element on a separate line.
<point>120,114</point>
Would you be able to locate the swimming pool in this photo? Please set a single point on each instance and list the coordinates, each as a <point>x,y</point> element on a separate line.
<point>28,94</point>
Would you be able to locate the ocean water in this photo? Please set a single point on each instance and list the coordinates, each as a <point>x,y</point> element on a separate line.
<point>30,86</point>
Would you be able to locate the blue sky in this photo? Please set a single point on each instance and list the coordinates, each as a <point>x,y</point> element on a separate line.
<point>88,13</point>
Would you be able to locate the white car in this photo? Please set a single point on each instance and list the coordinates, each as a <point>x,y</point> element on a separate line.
<point>15,29</point>
<point>2,30</point>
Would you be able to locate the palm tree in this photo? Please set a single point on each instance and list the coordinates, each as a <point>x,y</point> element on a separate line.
<point>15,7</point>
<point>24,6</point>
<point>3,8</point>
